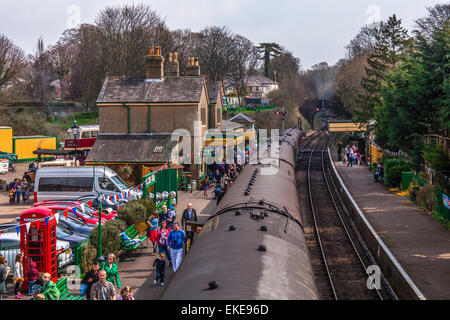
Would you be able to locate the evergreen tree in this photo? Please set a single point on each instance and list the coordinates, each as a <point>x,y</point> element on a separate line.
<point>391,45</point>
<point>269,50</point>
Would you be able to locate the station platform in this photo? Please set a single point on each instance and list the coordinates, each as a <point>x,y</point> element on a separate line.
<point>419,243</point>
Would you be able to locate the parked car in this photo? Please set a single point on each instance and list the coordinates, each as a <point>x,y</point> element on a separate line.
<point>71,183</point>
<point>62,233</point>
<point>84,217</point>
<point>106,214</point>
<point>106,203</point>
<point>72,224</point>
<point>10,247</point>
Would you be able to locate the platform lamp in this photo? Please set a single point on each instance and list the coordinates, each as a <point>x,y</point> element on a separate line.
<point>75,131</point>
<point>104,183</point>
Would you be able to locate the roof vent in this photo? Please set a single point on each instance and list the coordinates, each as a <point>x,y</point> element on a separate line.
<point>213,285</point>
<point>263,228</point>
<point>232,227</point>
<point>237,213</point>
<point>262,248</point>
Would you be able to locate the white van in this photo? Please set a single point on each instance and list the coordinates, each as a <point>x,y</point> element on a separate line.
<point>71,183</point>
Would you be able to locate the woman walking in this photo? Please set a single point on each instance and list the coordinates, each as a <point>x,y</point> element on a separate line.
<point>153,230</point>
<point>112,272</point>
<point>163,233</point>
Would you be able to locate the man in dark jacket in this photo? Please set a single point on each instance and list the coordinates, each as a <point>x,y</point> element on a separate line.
<point>189,215</point>
<point>90,278</point>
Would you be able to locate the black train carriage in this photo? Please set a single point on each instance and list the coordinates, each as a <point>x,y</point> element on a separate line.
<point>253,247</point>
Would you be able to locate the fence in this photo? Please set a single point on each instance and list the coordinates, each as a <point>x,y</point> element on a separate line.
<point>408,179</point>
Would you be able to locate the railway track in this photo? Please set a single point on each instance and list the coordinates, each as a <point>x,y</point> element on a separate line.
<point>339,258</point>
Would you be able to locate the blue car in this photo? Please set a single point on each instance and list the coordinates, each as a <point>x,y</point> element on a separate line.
<point>65,234</point>
<point>76,226</point>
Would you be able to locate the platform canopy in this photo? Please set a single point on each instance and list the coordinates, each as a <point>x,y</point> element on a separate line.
<point>345,126</point>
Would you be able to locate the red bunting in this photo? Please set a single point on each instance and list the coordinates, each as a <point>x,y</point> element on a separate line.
<point>38,224</point>
<point>0,232</point>
<point>65,214</point>
<point>90,204</point>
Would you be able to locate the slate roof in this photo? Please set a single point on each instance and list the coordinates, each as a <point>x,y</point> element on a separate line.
<point>242,118</point>
<point>230,126</point>
<point>132,148</point>
<point>170,89</point>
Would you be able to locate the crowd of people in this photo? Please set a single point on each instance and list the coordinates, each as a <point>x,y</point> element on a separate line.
<point>351,158</point>
<point>220,177</point>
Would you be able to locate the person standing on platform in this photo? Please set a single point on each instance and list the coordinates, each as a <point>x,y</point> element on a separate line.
<point>189,215</point>
<point>153,230</point>
<point>4,271</point>
<point>175,242</point>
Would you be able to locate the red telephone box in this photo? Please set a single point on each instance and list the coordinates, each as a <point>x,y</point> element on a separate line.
<point>38,243</point>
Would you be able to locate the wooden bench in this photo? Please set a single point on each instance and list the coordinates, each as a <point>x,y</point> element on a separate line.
<point>64,290</point>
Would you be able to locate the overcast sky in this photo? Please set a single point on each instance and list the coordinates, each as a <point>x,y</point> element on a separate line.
<point>314,31</point>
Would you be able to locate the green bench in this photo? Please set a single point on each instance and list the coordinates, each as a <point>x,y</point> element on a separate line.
<point>131,232</point>
<point>64,293</point>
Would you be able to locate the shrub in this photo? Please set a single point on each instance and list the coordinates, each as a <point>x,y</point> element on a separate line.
<point>426,198</point>
<point>88,255</point>
<point>111,239</point>
<point>393,169</point>
<point>133,213</point>
<point>148,204</point>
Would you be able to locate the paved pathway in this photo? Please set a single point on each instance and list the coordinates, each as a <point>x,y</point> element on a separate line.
<point>139,274</point>
<point>420,244</point>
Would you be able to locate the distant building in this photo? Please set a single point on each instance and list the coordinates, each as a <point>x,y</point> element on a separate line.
<point>259,86</point>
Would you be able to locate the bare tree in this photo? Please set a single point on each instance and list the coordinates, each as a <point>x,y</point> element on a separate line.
<point>124,35</point>
<point>11,60</point>
<point>438,18</point>
<point>245,61</point>
<point>214,47</point>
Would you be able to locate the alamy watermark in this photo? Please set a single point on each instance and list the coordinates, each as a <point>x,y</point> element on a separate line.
<point>374,280</point>
<point>74,18</point>
<point>213,146</point>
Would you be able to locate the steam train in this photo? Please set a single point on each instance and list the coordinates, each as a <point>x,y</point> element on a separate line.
<point>253,246</point>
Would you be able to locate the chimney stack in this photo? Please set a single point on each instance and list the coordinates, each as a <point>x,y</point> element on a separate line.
<point>154,64</point>
<point>173,66</point>
<point>192,67</point>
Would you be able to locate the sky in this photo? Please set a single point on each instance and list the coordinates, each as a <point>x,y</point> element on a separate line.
<point>314,31</point>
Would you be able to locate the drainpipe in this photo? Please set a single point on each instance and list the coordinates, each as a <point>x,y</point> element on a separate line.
<point>128,117</point>
<point>148,119</point>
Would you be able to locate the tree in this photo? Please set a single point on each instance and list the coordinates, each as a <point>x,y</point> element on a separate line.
<point>124,35</point>
<point>269,51</point>
<point>245,60</point>
<point>214,46</point>
<point>285,66</point>
<point>391,44</point>
<point>11,60</point>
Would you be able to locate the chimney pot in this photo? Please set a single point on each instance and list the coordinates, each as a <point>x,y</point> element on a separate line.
<point>154,64</point>
<point>170,57</point>
<point>175,57</point>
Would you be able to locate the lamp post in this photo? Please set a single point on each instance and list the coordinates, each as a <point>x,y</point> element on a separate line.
<point>75,131</point>
<point>104,183</point>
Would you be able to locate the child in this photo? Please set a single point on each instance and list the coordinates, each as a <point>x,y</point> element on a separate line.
<point>126,294</point>
<point>160,264</point>
<point>153,221</point>
<point>18,276</point>
<point>32,275</point>
<point>205,187</point>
